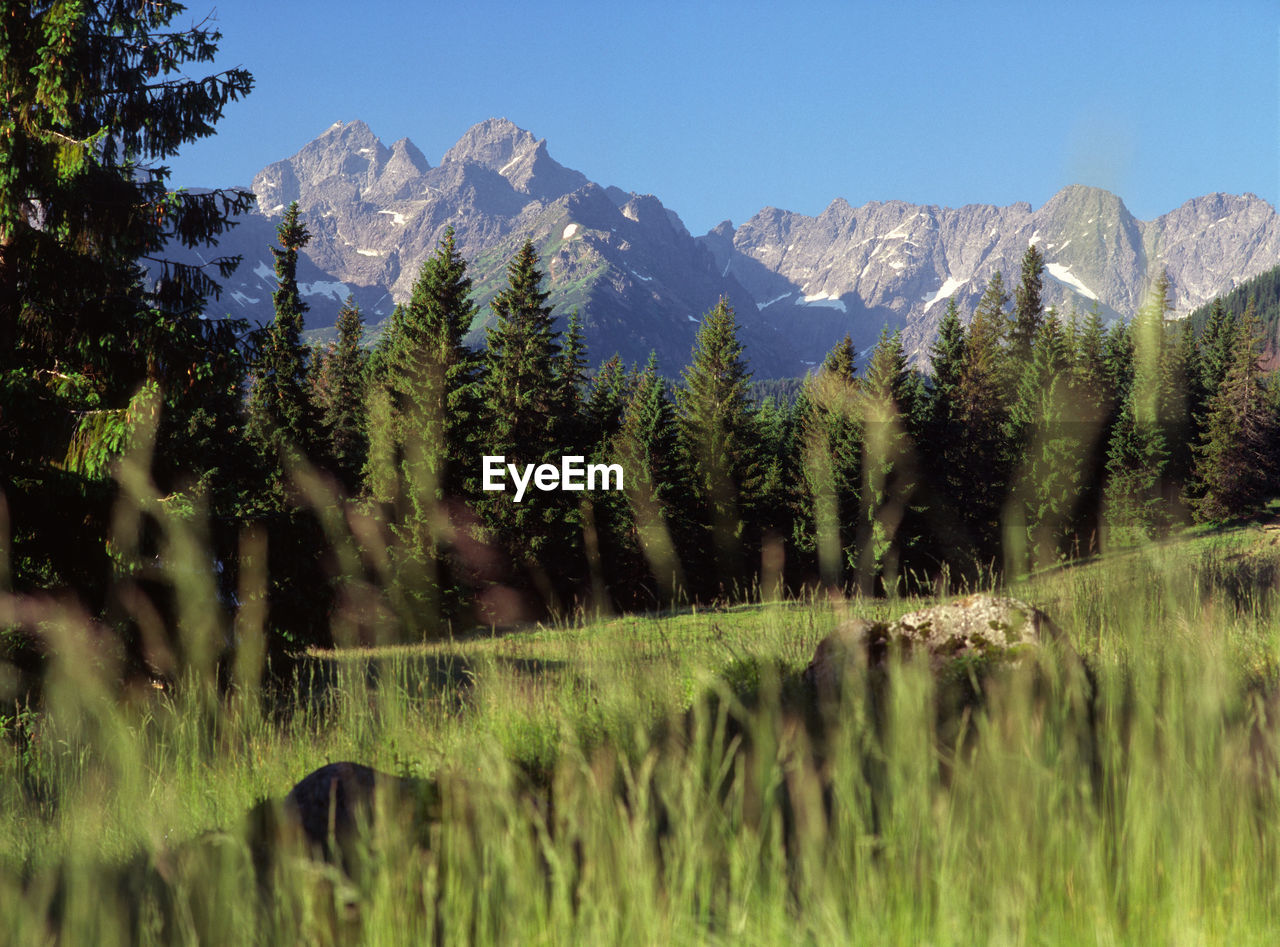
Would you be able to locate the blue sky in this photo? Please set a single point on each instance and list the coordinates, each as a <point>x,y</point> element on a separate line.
<point>721,109</point>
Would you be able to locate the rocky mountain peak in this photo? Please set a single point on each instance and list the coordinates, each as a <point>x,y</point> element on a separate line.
<point>499,145</point>
<point>333,167</point>
<point>492,143</point>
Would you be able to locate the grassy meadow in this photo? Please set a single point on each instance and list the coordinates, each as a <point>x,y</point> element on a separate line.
<point>654,780</point>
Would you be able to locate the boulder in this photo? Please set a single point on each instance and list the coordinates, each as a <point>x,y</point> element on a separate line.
<point>978,626</point>
<point>334,800</point>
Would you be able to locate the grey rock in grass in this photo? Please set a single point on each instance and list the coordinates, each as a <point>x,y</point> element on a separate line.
<point>979,626</point>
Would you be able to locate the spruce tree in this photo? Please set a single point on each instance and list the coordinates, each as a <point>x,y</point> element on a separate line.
<point>717,436</point>
<point>606,402</point>
<point>829,438</point>
<point>656,486</point>
<point>890,396</point>
<point>521,397</point>
<point>1138,491</point>
<point>431,375</point>
<point>96,100</point>
<point>1050,479</point>
<point>1217,343</point>
<point>343,405</point>
<point>571,378</point>
<point>426,426</point>
<point>1236,458</point>
<point>282,420</point>
<point>1028,311</point>
<point>983,468</point>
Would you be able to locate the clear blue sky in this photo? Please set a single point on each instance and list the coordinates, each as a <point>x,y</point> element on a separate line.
<point>723,108</point>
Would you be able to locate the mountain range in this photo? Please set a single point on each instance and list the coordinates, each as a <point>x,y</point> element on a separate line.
<point>642,282</point>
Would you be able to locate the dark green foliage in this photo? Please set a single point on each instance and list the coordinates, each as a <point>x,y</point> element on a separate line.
<point>1052,444</point>
<point>608,398</point>
<point>655,526</point>
<point>282,418</point>
<point>892,400</point>
<point>717,435</point>
<point>1028,309</point>
<point>829,426</point>
<point>423,418</point>
<point>1262,291</point>
<point>522,394</point>
<point>571,377</point>
<point>96,358</point>
<point>1236,457</point>
<point>340,382</point>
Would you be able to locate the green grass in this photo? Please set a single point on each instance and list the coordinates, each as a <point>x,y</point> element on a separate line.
<point>591,793</point>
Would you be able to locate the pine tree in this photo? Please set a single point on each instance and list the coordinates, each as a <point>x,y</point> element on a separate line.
<point>716,435</point>
<point>983,467</point>
<point>1217,343</point>
<point>829,436</point>
<point>571,377</point>
<point>1138,492</point>
<point>610,392</point>
<point>1049,483</point>
<point>657,526</point>
<point>1028,311</point>
<point>95,101</point>
<point>522,351</point>
<point>422,445</point>
<point>1096,407</point>
<point>520,393</point>
<point>1236,458</point>
<point>431,376</point>
<point>890,396</point>
<point>343,403</point>
<point>282,421</point>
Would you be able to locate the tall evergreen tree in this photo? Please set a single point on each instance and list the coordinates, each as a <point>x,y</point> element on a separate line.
<point>1050,479</point>
<point>943,438</point>
<point>648,448</point>
<point>984,464</point>
<point>716,434</point>
<point>891,396</point>
<point>95,101</point>
<point>829,438</point>
<point>1236,458</point>
<point>422,454</point>
<point>431,376</point>
<point>1028,310</point>
<point>342,403</point>
<point>571,379</point>
<point>281,416</point>
<point>521,395</point>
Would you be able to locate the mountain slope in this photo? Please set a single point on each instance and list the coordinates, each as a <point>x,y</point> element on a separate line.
<point>642,282</point>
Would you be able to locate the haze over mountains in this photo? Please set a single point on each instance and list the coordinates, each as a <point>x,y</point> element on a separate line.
<point>642,282</point>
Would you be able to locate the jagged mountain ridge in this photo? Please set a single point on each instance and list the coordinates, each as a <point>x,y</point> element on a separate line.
<point>639,279</point>
<point>900,262</point>
<point>642,281</point>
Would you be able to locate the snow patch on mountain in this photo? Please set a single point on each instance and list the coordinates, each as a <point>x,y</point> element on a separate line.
<point>335,290</point>
<point>946,291</point>
<point>1064,275</point>
<point>825,300</point>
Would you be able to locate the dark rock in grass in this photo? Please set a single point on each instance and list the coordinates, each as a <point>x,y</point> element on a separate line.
<point>334,801</point>
<point>983,627</point>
